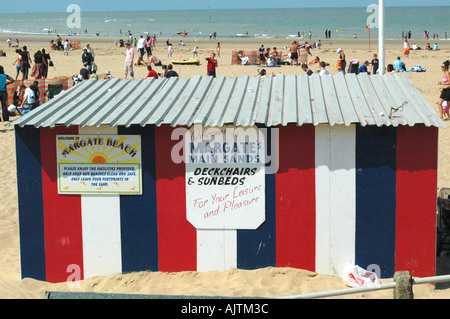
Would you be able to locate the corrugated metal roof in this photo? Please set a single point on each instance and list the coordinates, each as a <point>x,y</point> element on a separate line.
<point>386,100</point>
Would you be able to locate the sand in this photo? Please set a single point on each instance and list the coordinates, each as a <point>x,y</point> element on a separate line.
<point>268,282</point>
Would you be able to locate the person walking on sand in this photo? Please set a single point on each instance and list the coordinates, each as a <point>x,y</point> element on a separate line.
<point>445,84</point>
<point>170,50</point>
<point>26,63</point>
<point>218,49</point>
<point>212,65</point>
<point>129,58</point>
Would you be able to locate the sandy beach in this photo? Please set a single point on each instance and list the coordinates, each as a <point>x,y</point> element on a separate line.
<point>268,282</point>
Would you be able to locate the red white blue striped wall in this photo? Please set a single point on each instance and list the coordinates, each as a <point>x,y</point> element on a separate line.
<point>342,195</point>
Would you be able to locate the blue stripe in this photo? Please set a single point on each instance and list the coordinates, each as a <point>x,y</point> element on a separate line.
<point>31,206</point>
<point>257,248</point>
<point>139,229</point>
<point>376,198</point>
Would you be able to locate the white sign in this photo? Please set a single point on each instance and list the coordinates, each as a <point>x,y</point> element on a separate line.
<point>93,164</point>
<point>225,178</point>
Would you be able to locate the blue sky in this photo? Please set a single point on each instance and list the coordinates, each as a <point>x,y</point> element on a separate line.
<point>6,6</point>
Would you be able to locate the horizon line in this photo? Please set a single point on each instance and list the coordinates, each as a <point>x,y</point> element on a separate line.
<point>225,9</point>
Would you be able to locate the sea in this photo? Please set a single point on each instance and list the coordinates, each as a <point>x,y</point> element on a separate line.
<point>344,23</point>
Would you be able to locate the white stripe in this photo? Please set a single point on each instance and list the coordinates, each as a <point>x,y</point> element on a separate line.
<point>216,250</point>
<point>335,198</point>
<point>102,253</point>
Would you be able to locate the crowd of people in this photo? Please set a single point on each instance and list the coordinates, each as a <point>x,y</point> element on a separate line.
<point>36,65</point>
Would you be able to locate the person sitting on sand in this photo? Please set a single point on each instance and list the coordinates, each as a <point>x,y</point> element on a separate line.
<point>322,69</point>
<point>306,69</point>
<point>271,61</point>
<point>244,59</point>
<point>363,68</point>
<point>94,75</point>
<point>399,65</point>
<point>151,73</point>
<point>170,72</point>
<point>275,55</point>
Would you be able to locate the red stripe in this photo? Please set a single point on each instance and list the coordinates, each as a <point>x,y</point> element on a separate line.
<point>177,238</point>
<point>417,149</point>
<point>62,214</point>
<point>296,205</point>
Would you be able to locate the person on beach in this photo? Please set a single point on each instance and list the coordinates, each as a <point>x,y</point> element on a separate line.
<point>445,84</point>
<point>59,43</point>
<point>29,98</point>
<point>18,63</point>
<point>399,65</point>
<point>364,68</point>
<point>47,62</point>
<point>26,63</point>
<point>141,46</point>
<point>294,53</point>
<point>169,50</point>
<point>153,59</point>
<point>275,55</point>
<point>151,73</point>
<point>315,60</point>
<point>66,48</point>
<point>4,78</point>
<point>267,55</point>
<point>212,65</point>
<point>86,57</point>
<point>323,71</point>
<point>85,72</point>
<point>90,50</point>
<point>170,72</point>
<point>129,58</point>
<point>375,64</point>
<point>306,69</point>
<point>195,51</point>
<point>342,63</point>
<point>406,48</point>
<point>243,58</point>
<point>262,56</point>
<point>38,68</point>
<point>218,50</point>
<point>148,46</point>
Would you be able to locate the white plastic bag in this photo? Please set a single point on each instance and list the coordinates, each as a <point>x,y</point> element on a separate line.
<point>355,276</point>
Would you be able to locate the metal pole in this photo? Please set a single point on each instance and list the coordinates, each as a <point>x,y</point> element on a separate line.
<point>349,291</point>
<point>381,20</point>
<point>341,292</point>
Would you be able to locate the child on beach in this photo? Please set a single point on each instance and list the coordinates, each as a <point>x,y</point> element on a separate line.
<point>170,50</point>
<point>218,50</point>
<point>194,52</point>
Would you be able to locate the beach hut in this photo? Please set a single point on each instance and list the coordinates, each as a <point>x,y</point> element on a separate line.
<point>351,180</point>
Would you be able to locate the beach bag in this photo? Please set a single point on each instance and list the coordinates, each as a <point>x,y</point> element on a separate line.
<point>50,63</point>
<point>390,67</point>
